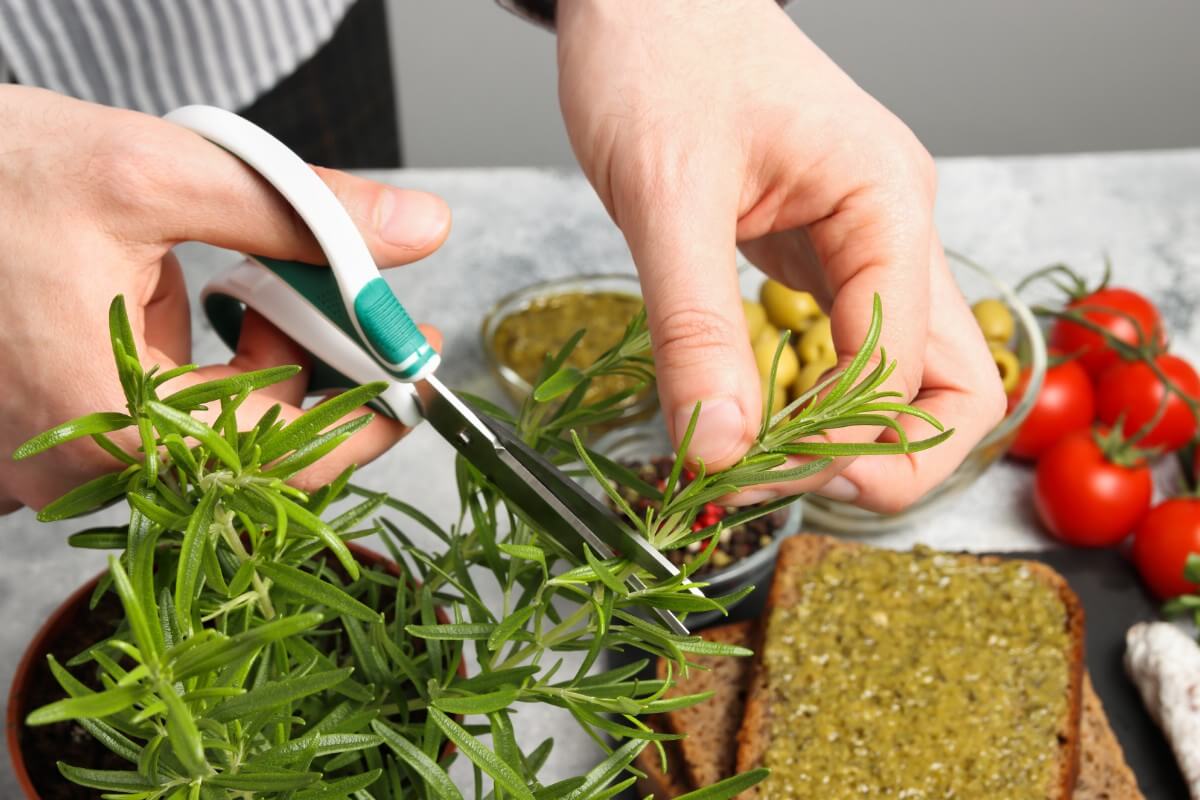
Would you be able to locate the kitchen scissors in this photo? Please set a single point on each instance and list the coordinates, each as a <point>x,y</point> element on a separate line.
<point>348,318</point>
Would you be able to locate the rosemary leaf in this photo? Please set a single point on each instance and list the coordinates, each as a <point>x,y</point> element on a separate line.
<point>194,397</point>
<point>90,425</point>
<point>485,703</point>
<point>106,780</point>
<point>316,590</point>
<point>191,556</point>
<point>485,759</point>
<point>302,429</point>
<point>96,704</point>
<point>730,787</point>
<point>435,778</point>
<point>88,497</point>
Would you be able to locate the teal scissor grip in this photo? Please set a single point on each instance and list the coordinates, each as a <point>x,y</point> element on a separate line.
<point>391,331</point>
<point>317,285</point>
<point>387,328</point>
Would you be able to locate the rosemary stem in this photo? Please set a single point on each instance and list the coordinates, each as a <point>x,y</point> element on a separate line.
<point>556,635</point>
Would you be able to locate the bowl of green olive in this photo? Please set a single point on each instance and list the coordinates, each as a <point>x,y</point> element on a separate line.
<point>1015,343</point>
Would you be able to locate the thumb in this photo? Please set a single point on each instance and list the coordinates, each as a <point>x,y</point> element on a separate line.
<point>200,192</point>
<point>399,225</point>
<point>684,250</point>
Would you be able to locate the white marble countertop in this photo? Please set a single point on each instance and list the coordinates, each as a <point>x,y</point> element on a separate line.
<point>516,226</point>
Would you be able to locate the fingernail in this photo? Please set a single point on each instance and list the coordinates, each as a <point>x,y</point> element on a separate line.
<point>839,488</point>
<point>410,219</point>
<point>753,497</point>
<point>720,431</point>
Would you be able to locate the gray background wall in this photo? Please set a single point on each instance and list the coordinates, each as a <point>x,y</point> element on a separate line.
<point>477,85</point>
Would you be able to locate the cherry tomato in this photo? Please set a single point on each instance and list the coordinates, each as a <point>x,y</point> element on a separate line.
<point>1162,543</point>
<point>1115,310</point>
<point>1131,390</point>
<point>1086,500</point>
<point>1065,404</point>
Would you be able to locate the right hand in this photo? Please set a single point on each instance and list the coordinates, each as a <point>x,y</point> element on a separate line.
<point>92,199</point>
<point>705,126</point>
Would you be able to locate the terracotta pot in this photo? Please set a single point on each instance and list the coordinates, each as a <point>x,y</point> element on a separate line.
<point>74,611</point>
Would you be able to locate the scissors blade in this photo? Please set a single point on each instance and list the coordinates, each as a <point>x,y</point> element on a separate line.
<point>559,506</point>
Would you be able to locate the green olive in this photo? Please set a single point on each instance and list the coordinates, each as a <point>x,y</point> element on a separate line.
<point>788,308</point>
<point>781,396</point>
<point>764,354</point>
<point>809,375</point>
<point>1009,366</point>
<point>995,320</point>
<point>816,345</point>
<point>756,317</point>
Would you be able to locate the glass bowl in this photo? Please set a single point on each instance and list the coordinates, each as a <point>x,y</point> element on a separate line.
<point>647,440</point>
<point>976,283</point>
<point>515,385</point>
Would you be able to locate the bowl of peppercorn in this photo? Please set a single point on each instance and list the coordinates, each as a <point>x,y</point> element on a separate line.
<point>743,555</point>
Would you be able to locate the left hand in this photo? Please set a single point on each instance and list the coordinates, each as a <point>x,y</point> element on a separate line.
<point>92,200</point>
<point>708,125</point>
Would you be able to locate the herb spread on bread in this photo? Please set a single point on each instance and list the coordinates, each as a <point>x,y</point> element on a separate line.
<point>916,675</point>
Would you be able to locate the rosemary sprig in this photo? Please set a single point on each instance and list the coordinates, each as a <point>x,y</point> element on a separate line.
<point>852,397</point>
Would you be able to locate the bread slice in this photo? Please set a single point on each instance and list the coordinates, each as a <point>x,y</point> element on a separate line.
<point>714,722</point>
<point>800,555</point>
<point>1103,773</point>
<point>711,726</point>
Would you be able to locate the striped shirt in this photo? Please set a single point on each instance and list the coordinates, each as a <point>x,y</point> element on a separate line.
<point>155,55</point>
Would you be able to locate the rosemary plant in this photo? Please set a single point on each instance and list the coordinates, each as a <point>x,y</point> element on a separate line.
<point>257,658</point>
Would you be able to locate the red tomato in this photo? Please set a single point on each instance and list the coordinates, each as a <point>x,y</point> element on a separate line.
<point>1125,307</point>
<point>1131,390</point>
<point>1065,404</point>
<point>1086,500</point>
<point>1162,543</point>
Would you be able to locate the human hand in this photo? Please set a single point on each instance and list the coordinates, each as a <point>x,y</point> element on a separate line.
<point>92,200</point>
<point>704,125</point>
